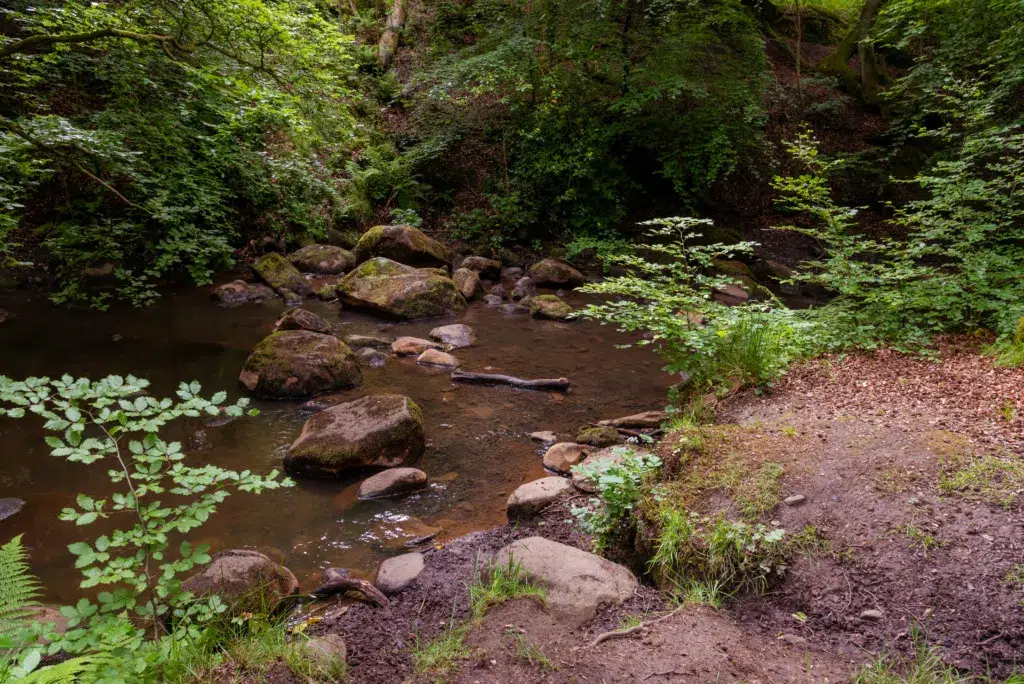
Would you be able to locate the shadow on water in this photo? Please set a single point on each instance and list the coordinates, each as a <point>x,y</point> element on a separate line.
<point>478,445</point>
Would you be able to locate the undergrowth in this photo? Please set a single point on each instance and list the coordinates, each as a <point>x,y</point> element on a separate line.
<point>441,658</point>
<point>499,583</point>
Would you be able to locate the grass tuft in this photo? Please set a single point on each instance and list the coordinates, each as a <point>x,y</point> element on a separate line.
<point>441,658</point>
<point>926,667</point>
<point>501,583</point>
<point>527,652</point>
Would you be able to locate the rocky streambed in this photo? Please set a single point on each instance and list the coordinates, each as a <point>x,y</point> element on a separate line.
<point>475,447</point>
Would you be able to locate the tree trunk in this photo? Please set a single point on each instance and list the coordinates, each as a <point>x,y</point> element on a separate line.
<point>389,40</point>
<point>857,40</point>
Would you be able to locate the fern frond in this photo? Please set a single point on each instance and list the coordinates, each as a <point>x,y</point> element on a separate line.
<point>19,589</point>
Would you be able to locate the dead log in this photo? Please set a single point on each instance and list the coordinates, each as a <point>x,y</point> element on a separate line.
<point>339,585</point>
<point>557,384</point>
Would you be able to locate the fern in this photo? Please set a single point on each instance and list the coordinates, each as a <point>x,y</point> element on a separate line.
<point>18,588</point>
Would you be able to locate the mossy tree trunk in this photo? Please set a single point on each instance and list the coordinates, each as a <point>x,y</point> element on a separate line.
<point>858,41</point>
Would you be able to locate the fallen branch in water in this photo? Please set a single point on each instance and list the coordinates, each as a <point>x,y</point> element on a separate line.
<point>559,384</point>
<point>601,638</point>
<point>342,584</point>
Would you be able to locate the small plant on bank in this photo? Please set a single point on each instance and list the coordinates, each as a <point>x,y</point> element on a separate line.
<point>619,490</point>
<point>114,421</point>
<point>1015,577</point>
<point>527,652</point>
<point>499,583</point>
<point>440,658</point>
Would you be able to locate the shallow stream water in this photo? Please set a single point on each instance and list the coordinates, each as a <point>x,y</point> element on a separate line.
<point>478,444</point>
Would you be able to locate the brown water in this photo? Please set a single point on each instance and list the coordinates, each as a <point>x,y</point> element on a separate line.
<point>478,445</point>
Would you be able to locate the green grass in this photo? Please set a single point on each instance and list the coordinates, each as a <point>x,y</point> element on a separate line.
<point>760,493</point>
<point>501,583</point>
<point>926,667</point>
<point>990,478</point>
<point>813,543</point>
<point>844,8</point>
<point>527,652</point>
<point>1015,577</point>
<point>919,538</point>
<point>441,658</point>
<point>251,649</point>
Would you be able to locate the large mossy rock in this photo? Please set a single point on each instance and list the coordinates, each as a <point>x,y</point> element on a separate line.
<point>246,581</point>
<point>391,289</point>
<point>325,259</point>
<point>404,244</point>
<point>550,307</point>
<point>299,363</point>
<point>301,319</point>
<point>278,273</point>
<point>555,272</point>
<point>379,431</point>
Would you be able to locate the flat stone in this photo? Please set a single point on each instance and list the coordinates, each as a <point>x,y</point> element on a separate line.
<point>326,650</point>
<point>531,498</point>
<point>434,357</point>
<point>647,419</point>
<point>514,310</point>
<point>563,456</point>
<point>301,319</point>
<point>578,583</point>
<point>873,615</point>
<point>410,346</point>
<point>457,336</point>
<point>9,506</point>
<point>392,482</point>
<point>396,574</point>
<point>544,436</point>
<point>598,436</point>
<point>375,341</point>
<point>795,500</point>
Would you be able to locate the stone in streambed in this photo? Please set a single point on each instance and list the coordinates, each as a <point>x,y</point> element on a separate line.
<point>278,273</point>
<point>434,357</point>
<point>647,419</point>
<point>544,436</point>
<point>374,341</point>
<point>598,436</point>
<point>239,292</point>
<point>404,244</point>
<point>392,482</point>
<point>300,319</point>
<point>555,273</point>
<point>563,456</point>
<point>299,363</point>
<point>9,506</point>
<point>550,307</point>
<point>468,283</point>
<point>492,301</point>
<point>456,336</point>
<point>374,358</point>
<point>245,580</point>
<point>487,268</point>
<point>514,310</point>
<point>409,346</point>
<point>379,431</point>
<point>325,259</point>
<point>388,288</point>
<point>531,498</point>
<point>397,574</point>
<point>524,289</point>
<point>578,583</point>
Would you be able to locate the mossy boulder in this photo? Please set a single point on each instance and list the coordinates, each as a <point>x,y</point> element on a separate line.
<point>325,259</point>
<point>240,292</point>
<point>468,283</point>
<point>347,238</point>
<point>549,306</point>
<point>299,363</point>
<point>487,268</point>
<point>300,319</point>
<point>598,436</point>
<point>246,581</point>
<point>379,431</point>
<point>404,244</point>
<point>555,273</point>
<point>731,268</point>
<point>278,273</point>
<point>391,289</point>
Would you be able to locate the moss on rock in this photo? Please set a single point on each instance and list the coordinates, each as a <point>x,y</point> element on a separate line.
<point>549,306</point>
<point>278,273</point>
<point>404,244</point>
<point>387,288</point>
<point>325,259</point>
<point>299,363</point>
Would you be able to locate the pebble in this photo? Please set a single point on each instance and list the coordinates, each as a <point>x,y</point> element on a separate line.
<point>795,500</point>
<point>872,615</point>
<point>793,639</point>
<point>544,436</point>
<point>988,537</point>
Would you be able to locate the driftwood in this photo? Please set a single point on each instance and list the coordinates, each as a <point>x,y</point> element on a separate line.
<point>558,384</point>
<point>340,585</point>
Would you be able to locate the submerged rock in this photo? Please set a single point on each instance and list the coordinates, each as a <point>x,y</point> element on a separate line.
<point>245,580</point>
<point>487,268</point>
<point>468,283</point>
<point>374,341</point>
<point>299,363</point>
<point>598,436</point>
<point>457,336</point>
<point>392,482</point>
<point>555,273</point>
<point>563,456</point>
<point>514,310</point>
<point>278,273</point>
<point>492,301</point>
<point>549,306</point>
<point>325,259</point>
<point>387,288</point>
<point>240,292</point>
<point>397,574</point>
<point>578,583</point>
<point>9,506</point>
<point>379,431</point>
<point>404,244</point>
<point>412,346</point>
<point>524,289</point>
<point>374,358</point>
<point>531,498</point>
<point>435,357</point>
<point>300,319</point>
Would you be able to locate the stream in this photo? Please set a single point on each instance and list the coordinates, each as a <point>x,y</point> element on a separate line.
<point>478,444</point>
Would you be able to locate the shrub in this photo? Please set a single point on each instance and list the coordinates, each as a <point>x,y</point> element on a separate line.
<point>619,490</point>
